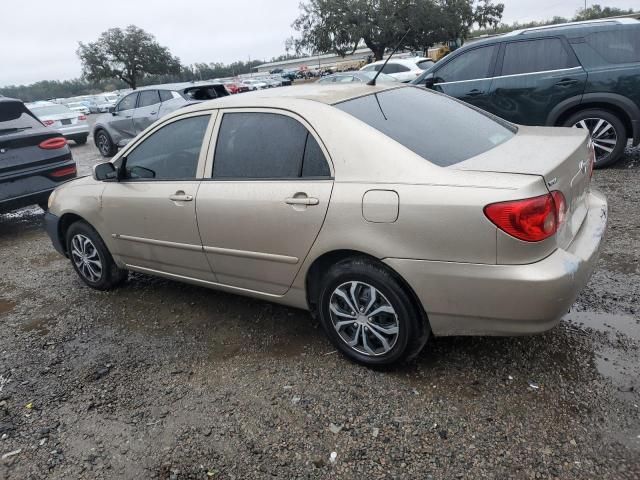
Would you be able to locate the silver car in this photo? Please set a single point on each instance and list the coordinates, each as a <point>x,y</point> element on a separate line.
<point>139,109</point>
<point>73,125</point>
<point>393,213</point>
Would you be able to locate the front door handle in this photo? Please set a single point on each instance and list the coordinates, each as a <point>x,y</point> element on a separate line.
<point>474,93</point>
<point>302,201</point>
<point>566,82</point>
<point>180,196</point>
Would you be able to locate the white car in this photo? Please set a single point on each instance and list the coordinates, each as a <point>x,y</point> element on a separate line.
<point>78,107</point>
<point>72,125</point>
<point>402,69</point>
<point>255,84</point>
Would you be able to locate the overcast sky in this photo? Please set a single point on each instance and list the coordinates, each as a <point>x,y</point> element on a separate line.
<point>39,38</point>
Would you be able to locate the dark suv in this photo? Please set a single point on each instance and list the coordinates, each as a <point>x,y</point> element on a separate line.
<point>584,75</point>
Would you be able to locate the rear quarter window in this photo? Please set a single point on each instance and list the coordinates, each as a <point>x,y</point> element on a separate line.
<point>616,45</point>
<point>440,129</point>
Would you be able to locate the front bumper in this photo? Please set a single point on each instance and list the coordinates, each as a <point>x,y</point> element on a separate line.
<point>52,226</point>
<point>474,299</point>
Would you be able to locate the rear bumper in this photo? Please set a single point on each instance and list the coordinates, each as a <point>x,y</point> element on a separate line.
<point>51,225</point>
<point>474,299</point>
<point>72,131</point>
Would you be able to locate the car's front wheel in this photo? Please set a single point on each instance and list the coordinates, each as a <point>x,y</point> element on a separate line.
<point>105,144</point>
<point>368,315</point>
<point>607,133</point>
<point>91,259</point>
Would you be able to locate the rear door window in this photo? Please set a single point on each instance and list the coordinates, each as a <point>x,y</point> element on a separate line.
<point>536,56</point>
<point>148,98</point>
<point>266,146</point>
<point>440,129</point>
<point>616,46</point>
<point>471,65</point>
<point>395,68</point>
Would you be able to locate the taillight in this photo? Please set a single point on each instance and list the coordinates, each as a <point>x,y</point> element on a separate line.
<point>48,123</point>
<point>53,143</point>
<point>64,172</point>
<point>82,117</point>
<point>531,219</point>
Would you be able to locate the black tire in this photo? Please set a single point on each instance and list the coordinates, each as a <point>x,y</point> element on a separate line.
<point>105,145</point>
<point>81,140</point>
<point>110,275</point>
<point>616,133</point>
<point>412,326</point>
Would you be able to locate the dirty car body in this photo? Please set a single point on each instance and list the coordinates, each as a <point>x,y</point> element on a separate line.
<point>389,233</point>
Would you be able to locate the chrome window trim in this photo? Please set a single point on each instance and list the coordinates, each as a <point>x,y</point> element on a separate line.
<point>512,75</point>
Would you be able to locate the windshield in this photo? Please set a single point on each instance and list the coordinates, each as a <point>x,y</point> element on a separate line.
<point>49,110</point>
<point>440,129</point>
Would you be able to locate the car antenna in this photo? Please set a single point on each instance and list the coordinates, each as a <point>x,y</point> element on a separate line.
<point>372,82</point>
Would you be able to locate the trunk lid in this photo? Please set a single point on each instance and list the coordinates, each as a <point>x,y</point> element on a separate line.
<point>560,156</point>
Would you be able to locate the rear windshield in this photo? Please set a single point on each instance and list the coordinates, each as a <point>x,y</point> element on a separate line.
<point>14,116</point>
<point>49,110</point>
<point>440,129</point>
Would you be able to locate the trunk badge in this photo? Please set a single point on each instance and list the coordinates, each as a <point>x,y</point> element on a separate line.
<point>552,182</point>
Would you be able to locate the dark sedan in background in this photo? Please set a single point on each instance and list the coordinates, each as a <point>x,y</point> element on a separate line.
<point>34,159</point>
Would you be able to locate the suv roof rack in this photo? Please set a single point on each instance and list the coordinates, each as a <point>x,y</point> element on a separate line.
<point>617,21</point>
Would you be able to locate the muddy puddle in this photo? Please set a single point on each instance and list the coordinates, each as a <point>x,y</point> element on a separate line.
<point>619,363</point>
<point>6,306</point>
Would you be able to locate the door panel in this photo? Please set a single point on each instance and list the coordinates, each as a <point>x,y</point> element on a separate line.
<point>153,231</point>
<point>147,111</point>
<point>467,76</point>
<point>256,234</point>
<point>122,120</point>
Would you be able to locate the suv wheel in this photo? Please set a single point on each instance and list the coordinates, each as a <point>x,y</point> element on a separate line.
<point>607,133</point>
<point>105,145</point>
<point>368,315</point>
<point>91,259</point>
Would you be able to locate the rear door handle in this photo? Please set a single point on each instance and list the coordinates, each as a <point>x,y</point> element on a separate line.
<point>474,93</point>
<point>181,197</point>
<point>566,82</point>
<point>302,201</point>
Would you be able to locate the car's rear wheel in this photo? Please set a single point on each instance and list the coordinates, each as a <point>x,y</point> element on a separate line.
<point>91,259</point>
<point>607,133</point>
<point>368,315</point>
<point>105,145</point>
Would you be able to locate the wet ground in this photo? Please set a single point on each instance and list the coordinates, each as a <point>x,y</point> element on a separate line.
<point>164,380</point>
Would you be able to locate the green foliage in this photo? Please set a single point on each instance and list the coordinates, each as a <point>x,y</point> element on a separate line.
<point>341,25</point>
<point>596,11</point>
<point>592,13</point>
<point>128,55</point>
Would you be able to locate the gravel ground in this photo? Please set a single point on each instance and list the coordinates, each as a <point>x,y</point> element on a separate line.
<point>170,381</point>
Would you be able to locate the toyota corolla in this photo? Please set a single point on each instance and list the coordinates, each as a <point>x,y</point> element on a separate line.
<point>391,212</point>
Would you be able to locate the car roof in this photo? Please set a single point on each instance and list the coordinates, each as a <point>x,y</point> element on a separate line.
<point>411,61</point>
<point>585,23</point>
<point>326,94</point>
<point>178,86</point>
<point>41,103</point>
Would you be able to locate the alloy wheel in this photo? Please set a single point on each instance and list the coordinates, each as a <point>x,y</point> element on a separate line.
<point>86,258</point>
<point>103,144</point>
<point>363,318</point>
<point>603,135</point>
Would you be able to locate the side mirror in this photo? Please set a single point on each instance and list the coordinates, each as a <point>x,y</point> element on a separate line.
<point>104,172</point>
<point>429,80</point>
<point>112,110</point>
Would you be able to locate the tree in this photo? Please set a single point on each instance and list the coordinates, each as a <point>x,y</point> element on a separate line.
<point>128,55</point>
<point>341,25</point>
<point>595,11</point>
